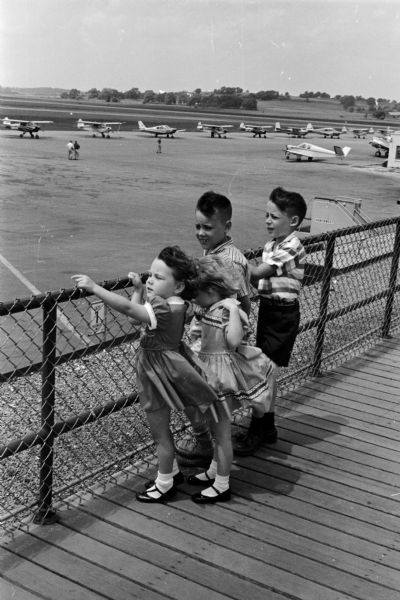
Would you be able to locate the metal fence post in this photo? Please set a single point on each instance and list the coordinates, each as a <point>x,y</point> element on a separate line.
<point>392,284</point>
<point>323,306</point>
<point>45,513</point>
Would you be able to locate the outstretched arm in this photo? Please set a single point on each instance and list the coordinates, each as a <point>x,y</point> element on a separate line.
<point>261,271</point>
<point>119,303</point>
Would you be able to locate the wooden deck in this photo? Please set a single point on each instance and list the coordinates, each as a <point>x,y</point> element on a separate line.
<point>314,517</point>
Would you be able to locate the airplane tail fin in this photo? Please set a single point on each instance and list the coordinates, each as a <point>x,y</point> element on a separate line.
<point>199,125</point>
<point>277,126</point>
<point>141,125</point>
<point>242,126</point>
<point>342,152</point>
<point>344,129</point>
<point>80,124</point>
<point>309,127</point>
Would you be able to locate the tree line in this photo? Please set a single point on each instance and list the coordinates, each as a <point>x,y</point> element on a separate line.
<point>233,98</point>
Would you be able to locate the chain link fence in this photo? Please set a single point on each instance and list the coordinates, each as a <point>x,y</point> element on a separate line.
<point>70,416</point>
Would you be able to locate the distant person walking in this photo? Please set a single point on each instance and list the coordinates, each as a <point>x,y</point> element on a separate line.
<point>76,150</point>
<point>158,151</point>
<point>71,150</point>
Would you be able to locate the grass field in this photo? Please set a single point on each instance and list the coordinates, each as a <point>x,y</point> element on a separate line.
<point>111,211</point>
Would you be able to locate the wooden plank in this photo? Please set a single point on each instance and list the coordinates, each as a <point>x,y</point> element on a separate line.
<point>260,549</point>
<point>353,394</point>
<point>333,454</point>
<point>299,526</point>
<point>376,442</point>
<point>26,573</point>
<point>294,404</point>
<point>78,576</point>
<point>115,567</point>
<point>306,498</point>
<point>331,399</point>
<point>125,530</point>
<point>10,591</point>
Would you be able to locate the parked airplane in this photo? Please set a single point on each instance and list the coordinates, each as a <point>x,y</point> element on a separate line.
<point>329,131</point>
<point>361,132</point>
<point>104,128</point>
<point>30,127</point>
<point>294,131</point>
<point>382,146</point>
<point>159,129</point>
<point>310,152</point>
<point>257,130</point>
<point>219,130</point>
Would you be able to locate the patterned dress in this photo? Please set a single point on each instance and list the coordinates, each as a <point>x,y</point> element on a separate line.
<point>165,375</point>
<point>242,373</point>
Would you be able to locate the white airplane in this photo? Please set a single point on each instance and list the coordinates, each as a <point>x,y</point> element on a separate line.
<point>104,128</point>
<point>361,132</point>
<point>294,131</point>
<point>311,152</point>
<point>329,132</point>
<point>257,130</point>
<point>219,130</point>
<point>31,127</point>
<point>382,146</point>
<point>159,130</point>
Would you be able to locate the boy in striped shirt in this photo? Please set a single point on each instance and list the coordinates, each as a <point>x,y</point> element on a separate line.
<point>213,222</point>
<point>278,278</point>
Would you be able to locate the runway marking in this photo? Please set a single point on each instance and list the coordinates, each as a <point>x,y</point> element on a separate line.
<point>36,292</point>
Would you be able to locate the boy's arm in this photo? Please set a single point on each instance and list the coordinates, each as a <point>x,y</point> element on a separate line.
<point>261,271</point>
<point>118,303</point>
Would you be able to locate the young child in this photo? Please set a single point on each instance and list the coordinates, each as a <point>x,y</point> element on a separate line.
<point>241,371</point>
<point>279,278</point>
<point>213,222</point>
<point>165,378</point>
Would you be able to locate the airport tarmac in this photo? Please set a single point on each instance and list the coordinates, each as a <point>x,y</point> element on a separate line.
<point>112,210</point>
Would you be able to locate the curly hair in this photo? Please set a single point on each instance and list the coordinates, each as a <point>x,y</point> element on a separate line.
<point>182,266</point>
<point>213,271</point>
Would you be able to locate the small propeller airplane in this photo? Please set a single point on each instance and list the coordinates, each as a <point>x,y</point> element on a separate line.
<point>299,132</point>
<point>329,132</point>
<point>257,130</point>
<point>104,128</point>
<point>382,146</point>
<point>159,130</point>
<point>31,127</point>
<point>311,152</point>
<point>361,132</point>
<point>215,130</point>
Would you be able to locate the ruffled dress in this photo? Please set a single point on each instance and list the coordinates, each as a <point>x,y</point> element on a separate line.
<point>242,373</point>
<point>165,372</point>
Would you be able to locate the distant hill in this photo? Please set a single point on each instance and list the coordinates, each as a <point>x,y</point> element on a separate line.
<point>48,92</point>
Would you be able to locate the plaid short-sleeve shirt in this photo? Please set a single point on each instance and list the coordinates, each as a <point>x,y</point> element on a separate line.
<point>288,257</point>
<point>238,259</point>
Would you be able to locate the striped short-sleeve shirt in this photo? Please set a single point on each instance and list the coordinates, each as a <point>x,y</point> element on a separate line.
<point>288,257</point>
<point>235,256</point>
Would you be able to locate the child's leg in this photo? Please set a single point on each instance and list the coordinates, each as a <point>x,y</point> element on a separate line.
<point>159,426</point>
<point>223,457</point>
<point>163,487</point>
<point>195,452</point>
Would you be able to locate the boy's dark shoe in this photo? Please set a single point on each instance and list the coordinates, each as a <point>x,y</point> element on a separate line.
<point>261,431</point>
<point>194,452</point>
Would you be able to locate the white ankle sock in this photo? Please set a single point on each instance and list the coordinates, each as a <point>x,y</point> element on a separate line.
<point>210,473</point>
<point>164,482</point>
<point>221,484</point>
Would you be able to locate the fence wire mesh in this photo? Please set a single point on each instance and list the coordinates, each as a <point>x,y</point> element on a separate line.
<point>69,412</point>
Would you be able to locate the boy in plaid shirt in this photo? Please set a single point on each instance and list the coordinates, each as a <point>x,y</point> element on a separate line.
<point>278,278</point>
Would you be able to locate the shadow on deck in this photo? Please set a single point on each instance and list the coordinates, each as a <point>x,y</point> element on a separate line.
<point>313,517</point>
